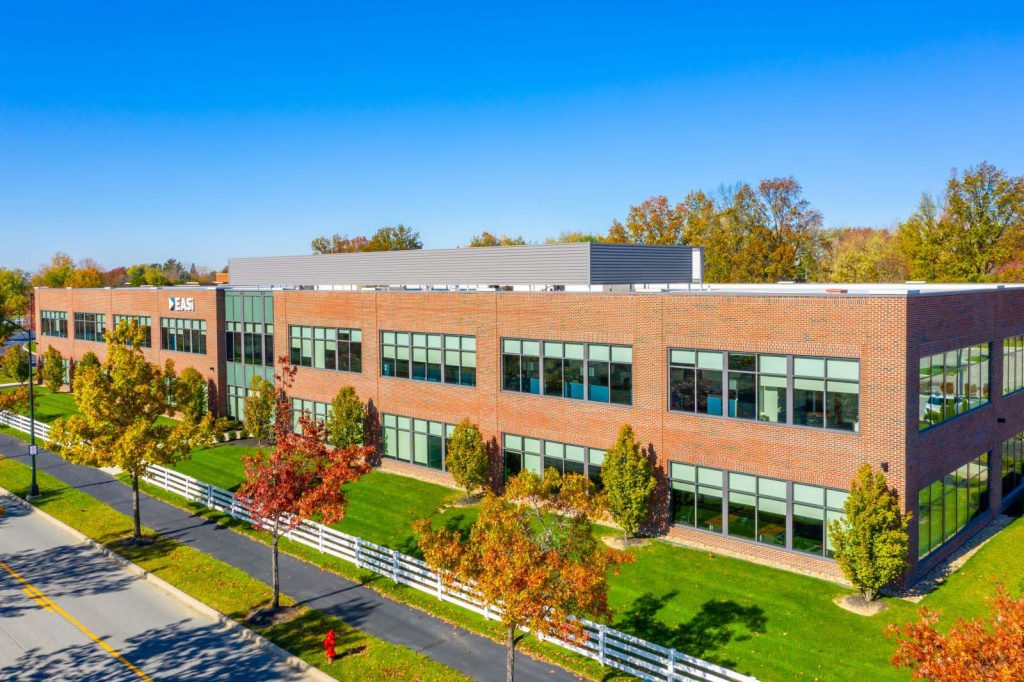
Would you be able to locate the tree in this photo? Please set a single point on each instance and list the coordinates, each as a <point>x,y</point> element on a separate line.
<point>346,420</point>
<point>56,273</point>
<point>973,650</point>
<point>16,363</point>
<point>572,236</point>
<point>52,371</point>
<point>871,541</point>
<point>258,412</point>
<point>533,552</point>
<point>190,395</point>
<point>487,239</point>
<point>339,244</point>
<point>628,482</point>
<point>301,477</point>
<point>119,422</point>
<point>14,296</point>
<point>398,238</point>
<point>85,278</point>
<point>864,254</point>
<point>14,401</point>
<point>88,360</point>
<point>467,459</point>
<point>975,229</point>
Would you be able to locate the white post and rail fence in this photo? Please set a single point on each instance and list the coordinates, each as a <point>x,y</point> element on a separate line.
<point>610,647</point>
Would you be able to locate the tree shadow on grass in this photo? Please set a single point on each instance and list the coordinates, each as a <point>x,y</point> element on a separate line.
<point>719,622</point>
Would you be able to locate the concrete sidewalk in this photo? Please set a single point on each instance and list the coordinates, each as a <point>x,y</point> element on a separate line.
<point>471,654</point>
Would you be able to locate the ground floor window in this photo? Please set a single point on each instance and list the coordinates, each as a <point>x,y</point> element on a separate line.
<point>535,454</point>
<point>1013,464</point>
<point>309,408</point>
<point>950,503</point>
<point>417,441</point>
<point>757,508</point>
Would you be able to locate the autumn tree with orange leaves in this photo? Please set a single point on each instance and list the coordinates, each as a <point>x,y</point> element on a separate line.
<point>973,651</point>
<point>301,477</point>
<point>533,552</point>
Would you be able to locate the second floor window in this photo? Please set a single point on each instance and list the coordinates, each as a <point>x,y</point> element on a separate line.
<point>804,391</point>
<point>582,371</point>
<point>183,336</point>
<point>145,323</point>
<point>89,326</point>
<point>53,323</point>
<point>326,348</point>
<point>439,358</point>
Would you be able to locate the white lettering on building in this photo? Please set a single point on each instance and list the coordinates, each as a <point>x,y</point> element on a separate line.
<point>179,304</point>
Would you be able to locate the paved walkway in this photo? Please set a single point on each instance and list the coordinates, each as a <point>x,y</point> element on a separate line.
<point>57,594</point>
<point>474,655</point>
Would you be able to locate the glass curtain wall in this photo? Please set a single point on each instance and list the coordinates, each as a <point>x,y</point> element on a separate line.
<point>952,383</point>
<point>248,342</point>
<point>946,506</point>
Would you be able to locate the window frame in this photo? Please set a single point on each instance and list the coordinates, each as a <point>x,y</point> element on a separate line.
<point>391,422</point>
<point>592,458</point>
<point>90,327</point>
<point>147,342</point>
<point>701,355</point>
<point>430,350</point>
<point>180,329</point>
<point>559,351</point>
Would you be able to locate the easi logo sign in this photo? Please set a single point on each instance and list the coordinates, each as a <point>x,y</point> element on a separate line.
<point>184,305</point>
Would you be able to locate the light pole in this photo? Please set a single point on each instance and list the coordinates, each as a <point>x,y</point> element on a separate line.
<point>33,490</point>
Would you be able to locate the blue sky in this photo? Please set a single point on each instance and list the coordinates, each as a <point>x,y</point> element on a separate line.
<point>133,132</point>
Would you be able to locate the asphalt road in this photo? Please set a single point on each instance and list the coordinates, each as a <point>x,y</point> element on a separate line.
<point>58,597</point>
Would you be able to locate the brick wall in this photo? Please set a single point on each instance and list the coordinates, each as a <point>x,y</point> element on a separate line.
<point>871,329</point>
<point>151,302</point>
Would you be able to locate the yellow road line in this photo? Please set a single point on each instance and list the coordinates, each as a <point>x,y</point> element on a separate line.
<point>48,604</point>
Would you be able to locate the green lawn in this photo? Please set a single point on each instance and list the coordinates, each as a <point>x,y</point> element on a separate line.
<point>228,589</point>
<point>382,507</point>
<point>759,620</point>
<point>51,406</point>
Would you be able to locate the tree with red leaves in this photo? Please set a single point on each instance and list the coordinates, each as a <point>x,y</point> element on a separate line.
<point>301,477</point>
<point>533,552</point>
<point>973,651</point>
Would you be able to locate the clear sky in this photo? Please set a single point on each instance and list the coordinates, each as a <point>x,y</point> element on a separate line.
<point>137,131</point>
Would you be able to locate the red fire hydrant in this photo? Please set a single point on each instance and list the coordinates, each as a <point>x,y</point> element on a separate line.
<point>329,646</point>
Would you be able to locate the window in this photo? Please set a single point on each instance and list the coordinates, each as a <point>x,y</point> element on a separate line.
<point>695,381</point>
<point>952,383</point>
<point>326,348</point>
<point>417,441</point>
<point>54,323</point>
<point>596,372</point>
<point>950,503</point>
<point>537,455</point>
<point>89,326</point>
<point>309,408</point>
<point>439,358</point>
<point>754,508</point>
<point>817,392</point>
<point>1013,364</point>
<point>145,323</point>
<point>826,392</point>
<point>1012,467</point>
<point>183,336</point>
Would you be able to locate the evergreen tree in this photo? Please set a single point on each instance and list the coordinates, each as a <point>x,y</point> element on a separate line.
<point>628,482</point>
<point>871,541</point>
<point>467,459</point>
<point>346,421</point>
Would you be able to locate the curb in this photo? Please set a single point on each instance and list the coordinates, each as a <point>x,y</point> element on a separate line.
<point>234,626</point>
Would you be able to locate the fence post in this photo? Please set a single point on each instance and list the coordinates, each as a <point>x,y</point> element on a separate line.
<point>440,587</point>
<point>394,565</point>
<point>601,629</point>
<point>359,554</point>
<point>209,495</point>
<point>671,672</point>
<point>188,488</point>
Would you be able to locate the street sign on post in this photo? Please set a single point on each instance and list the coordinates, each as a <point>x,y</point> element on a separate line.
<point>33,450</point>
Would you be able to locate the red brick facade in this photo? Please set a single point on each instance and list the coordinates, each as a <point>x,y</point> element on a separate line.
<point>887,333</point>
